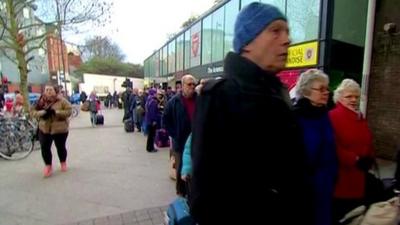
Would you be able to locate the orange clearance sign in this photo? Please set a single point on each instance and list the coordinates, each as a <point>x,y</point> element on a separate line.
<point>195,44</point>
<point>303,55</point>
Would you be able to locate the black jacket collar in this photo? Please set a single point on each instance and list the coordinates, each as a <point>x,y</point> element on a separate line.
<point>304,108</point>
<point>250,77</point>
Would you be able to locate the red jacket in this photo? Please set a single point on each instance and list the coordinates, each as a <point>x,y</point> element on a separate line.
<point>353,139</point>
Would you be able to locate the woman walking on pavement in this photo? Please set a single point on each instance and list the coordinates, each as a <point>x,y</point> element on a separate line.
<point>93,108</point>
<point>53,112</point>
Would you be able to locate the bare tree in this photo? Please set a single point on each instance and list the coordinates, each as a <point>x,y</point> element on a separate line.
<point>73,15</point>
<point>102,47</point>
<point>189,21</point>
<point>22,35</point>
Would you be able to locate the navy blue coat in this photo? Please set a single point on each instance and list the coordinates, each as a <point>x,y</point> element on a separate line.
<point>321,157</point>
<point>177,122</point>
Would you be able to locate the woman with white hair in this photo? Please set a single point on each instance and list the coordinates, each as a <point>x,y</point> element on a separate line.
<point>354,148</point>
<point>312,113</point>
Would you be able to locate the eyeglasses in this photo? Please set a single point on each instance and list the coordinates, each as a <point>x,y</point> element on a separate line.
<point>190,84</point>
<point>321,89</point>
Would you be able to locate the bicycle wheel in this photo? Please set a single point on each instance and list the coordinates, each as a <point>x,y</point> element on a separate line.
<point>18,139</point>
<point>75,112</point>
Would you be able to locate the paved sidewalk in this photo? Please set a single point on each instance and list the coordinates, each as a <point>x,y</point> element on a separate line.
<point>111,180</point>
<point>110,173</point>
<point>151,216</point>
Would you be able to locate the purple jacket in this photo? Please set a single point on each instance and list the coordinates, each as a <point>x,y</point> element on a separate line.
<point>152,112</point>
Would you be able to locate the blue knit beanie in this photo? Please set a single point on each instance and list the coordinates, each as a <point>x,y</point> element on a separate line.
<point>251,21</point>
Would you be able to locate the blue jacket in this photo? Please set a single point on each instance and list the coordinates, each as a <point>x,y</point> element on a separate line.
<point>186,157</point>
<point>176,121</point>
<point>322,162</point>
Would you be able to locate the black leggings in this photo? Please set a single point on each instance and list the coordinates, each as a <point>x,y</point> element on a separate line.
<point>46,140</point>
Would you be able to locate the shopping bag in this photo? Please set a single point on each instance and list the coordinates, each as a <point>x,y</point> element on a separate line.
<point>383,213</point>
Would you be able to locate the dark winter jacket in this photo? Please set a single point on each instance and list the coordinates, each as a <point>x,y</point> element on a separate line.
<point>176,121</point>
<point>247,151</point>
<point>322,162</point>
<point>152,113</point>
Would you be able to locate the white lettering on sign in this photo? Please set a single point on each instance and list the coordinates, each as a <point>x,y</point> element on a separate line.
<point>218,69</point>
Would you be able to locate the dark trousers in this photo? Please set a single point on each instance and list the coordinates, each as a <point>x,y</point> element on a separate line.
<point>342,206</point>
<point>46,140</point>
<point>139,126</point>
<point>397,171</point>
<point>150,137</point>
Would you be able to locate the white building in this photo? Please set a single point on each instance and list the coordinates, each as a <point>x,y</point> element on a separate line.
<point>103,83</point>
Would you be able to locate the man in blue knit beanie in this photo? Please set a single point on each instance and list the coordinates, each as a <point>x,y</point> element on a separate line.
<point>247,152</point>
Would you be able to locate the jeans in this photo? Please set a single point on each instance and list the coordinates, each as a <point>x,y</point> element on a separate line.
<point>93,118</point>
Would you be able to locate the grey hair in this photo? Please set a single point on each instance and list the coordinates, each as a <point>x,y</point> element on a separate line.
<point>306,79</point>
<point>348,85</point>
<point>188,76</point>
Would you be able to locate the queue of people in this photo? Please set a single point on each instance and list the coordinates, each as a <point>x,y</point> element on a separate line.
<point>308,158</point>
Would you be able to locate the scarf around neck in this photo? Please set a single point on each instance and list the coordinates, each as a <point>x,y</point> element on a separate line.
<point>303,107</point>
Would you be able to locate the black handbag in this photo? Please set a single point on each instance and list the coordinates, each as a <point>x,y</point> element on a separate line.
<point>374,189</point>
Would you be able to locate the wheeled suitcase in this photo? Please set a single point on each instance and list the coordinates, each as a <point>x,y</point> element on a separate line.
<point>99,119</point>
<point>129,125</point>
<point>161,140</point>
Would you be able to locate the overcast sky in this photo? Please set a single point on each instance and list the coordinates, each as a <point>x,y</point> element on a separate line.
<point>140,27</point>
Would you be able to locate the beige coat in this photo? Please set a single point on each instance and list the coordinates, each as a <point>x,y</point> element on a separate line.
<point>58,123</point>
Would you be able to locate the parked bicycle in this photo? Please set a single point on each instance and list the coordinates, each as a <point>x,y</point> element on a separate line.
<point>75,110</point>
<point>17,137</point>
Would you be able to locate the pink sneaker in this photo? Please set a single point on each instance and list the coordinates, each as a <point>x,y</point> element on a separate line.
<point>47,171</point>
<point>63,166</point>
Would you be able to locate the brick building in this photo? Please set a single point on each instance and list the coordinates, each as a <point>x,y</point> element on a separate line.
<point>54,54</point>
<point>383,107</point>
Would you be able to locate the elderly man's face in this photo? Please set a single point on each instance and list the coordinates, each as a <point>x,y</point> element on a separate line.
<point>269,49</point>
<point>188,87</point>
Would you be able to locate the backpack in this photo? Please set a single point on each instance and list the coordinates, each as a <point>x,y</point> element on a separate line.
<point>178,213</point>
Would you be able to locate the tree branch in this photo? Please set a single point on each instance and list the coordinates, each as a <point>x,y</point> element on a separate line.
<point>66,8</point>
<point>10,43</point>
<point>6,47</point>
<point>31,25</point>
<point>3,23</point>
<point>40,45</point>
<point>5,53</point>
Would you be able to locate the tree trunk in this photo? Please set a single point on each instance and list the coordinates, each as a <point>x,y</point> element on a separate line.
<point>19,52</point>
<point>23,84</point>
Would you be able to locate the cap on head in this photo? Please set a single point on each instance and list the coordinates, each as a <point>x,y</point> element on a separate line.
<point>251,21</point>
